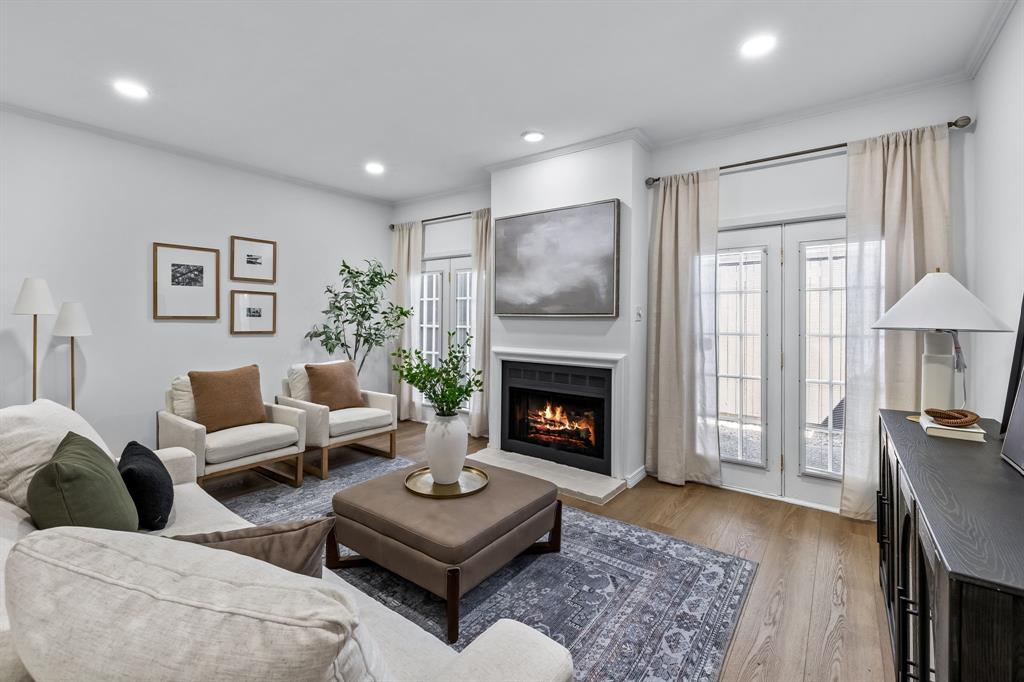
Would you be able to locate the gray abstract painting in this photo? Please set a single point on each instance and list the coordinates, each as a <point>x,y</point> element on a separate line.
<point>561,262</point>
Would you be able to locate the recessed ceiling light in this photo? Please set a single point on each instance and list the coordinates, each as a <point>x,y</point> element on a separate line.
<point>131,89</point>
<point>533,136</point>
<point>758,46</point>
<point>374,168</point>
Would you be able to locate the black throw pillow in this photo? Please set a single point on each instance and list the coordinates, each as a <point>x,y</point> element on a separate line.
<point>148,483</point>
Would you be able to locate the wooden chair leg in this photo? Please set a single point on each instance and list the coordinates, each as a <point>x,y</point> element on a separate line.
<point>391,445</point>
<point>298,470</point>
<point>323,463</point>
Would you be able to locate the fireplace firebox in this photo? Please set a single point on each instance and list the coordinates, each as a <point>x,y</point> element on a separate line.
<point>560,413</point>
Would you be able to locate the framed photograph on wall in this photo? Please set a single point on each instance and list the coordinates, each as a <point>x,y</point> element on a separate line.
<point>558,263</point>
<point>253,312</point>
<point>186,282</point>
<point>253,260</point>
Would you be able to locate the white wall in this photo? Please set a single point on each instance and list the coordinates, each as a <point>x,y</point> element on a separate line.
<point>795,188</point>
<point>611,171</point>
<point>996,260</point>
<point>449,203</point>
<point>83,210</point>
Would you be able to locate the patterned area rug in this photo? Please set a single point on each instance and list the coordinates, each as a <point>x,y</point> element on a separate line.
<point>629,603</point>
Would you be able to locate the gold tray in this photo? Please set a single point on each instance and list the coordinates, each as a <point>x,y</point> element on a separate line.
<point>472,480</point>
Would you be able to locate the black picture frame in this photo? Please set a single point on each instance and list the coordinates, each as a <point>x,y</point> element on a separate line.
<point>1016,370</point>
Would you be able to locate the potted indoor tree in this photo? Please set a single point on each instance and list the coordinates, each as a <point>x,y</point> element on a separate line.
<point>448,386</point>
<point>359,318</point>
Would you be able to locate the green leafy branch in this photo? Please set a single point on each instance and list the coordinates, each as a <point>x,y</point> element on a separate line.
<point>359,319</point>
<point>449,385</point>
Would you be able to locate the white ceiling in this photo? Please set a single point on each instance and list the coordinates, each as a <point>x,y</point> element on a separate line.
<point>439,90</point>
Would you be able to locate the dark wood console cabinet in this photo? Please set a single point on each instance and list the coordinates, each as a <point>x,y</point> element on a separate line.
<point>951,555</point>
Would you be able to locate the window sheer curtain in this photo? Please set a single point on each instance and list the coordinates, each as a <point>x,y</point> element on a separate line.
<point>482,257</point>
<point>682,396</point>
<point>408,255</point>
<point>898,230</point>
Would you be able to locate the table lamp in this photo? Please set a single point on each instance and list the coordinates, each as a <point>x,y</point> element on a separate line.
<point>941,307</point>
<point>34,299</point>
<point>72,322</point>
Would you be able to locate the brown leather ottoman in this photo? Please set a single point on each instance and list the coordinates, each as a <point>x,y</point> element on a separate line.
<point>446,546</point>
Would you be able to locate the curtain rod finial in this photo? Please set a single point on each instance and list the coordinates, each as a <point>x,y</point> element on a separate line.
<point>962,122</point>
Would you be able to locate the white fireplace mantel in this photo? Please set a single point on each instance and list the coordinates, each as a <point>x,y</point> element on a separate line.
<point>614,361</point>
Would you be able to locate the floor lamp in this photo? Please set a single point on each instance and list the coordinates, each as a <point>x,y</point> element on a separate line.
<point>34,299</point>
<point>72,322</point>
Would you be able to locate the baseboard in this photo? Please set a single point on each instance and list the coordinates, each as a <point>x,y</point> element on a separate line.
<point>635,477</point>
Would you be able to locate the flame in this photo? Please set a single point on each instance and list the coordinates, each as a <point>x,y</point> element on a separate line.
<point>554,418</point>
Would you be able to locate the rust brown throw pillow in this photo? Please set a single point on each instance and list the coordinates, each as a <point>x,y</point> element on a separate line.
<point>296,546</point>
<point>335,384</point>
<point>228,398</point>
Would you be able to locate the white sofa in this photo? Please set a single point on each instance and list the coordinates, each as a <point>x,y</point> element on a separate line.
<point>327,429</point>
<point>506,651</point>
<point>282,438</point>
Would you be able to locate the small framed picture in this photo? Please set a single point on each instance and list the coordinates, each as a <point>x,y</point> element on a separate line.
<point>253,312</point>
<point>186,282</point>
<point>253,260</point>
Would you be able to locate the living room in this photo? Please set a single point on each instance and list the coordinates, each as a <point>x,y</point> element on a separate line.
<point>351,340</point>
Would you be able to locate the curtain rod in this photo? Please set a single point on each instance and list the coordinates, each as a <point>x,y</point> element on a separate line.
<point>961,122</point>
<point>441,217</point>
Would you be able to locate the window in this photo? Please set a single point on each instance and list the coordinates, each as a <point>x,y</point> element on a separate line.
<point>823,370</point>
<point>740,300</point>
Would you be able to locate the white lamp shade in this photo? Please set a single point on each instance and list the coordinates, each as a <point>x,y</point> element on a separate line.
<point>71,321</point>
<point>34,298</point>
<point>938,301</point>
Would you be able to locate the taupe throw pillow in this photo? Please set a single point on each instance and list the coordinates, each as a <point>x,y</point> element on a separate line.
<point>228,398</point>
<point>296,546</point>
<point>335,385</point>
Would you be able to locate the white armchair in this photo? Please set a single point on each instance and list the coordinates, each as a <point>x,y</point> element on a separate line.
<point>326,429</point>
<point>282,438</point>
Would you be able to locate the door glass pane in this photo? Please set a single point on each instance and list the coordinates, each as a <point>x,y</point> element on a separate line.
<point>823,371</point>
<point>430,323</point>
<point>463,305</point>
<point>740,299</point>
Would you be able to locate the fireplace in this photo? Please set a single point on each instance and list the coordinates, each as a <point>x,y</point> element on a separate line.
<point>559,413</point>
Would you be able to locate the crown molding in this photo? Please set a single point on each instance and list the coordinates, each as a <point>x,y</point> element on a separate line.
<point>821,110</point>
<point>996,21</point>
<point>632,134</point>
<point>188,153</point>
<point>443,194</point>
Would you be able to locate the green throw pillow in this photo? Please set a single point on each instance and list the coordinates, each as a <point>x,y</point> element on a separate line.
<point>80,486</point>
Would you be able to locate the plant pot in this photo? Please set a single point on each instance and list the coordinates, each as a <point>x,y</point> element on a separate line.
<point>446,444</point>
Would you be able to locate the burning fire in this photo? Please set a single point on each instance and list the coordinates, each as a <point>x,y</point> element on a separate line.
<point>553,418</point>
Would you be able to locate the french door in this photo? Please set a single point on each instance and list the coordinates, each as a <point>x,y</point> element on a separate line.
<point>446,305</point>
<point>781,335</point>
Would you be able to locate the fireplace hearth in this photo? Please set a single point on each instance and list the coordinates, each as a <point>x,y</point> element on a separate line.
<point>560,413</point>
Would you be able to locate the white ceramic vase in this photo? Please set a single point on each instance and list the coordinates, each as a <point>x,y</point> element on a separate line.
<point>446,444</point>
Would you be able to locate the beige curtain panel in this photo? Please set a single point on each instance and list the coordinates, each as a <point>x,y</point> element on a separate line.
<point>682,409</point>
<point>408,255</point>
<point>482,258</point>
<point>898,230</point>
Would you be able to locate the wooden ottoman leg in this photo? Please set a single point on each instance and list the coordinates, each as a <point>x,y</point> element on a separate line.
<point>554,541</point>
<point>334,560</point>
<point>453,575</point>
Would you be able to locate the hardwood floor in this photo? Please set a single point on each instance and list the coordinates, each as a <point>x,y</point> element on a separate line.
<point>814,611</point>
